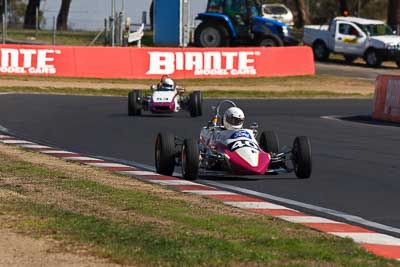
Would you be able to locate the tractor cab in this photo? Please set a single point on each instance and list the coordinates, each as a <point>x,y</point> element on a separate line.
<point>233,22</point>
<point>240,12</point>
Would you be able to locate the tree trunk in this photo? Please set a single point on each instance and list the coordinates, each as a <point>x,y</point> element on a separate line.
<point>62,19</point>
<point>393,14</point>
<point>30,14</point>
<point>302,15</point>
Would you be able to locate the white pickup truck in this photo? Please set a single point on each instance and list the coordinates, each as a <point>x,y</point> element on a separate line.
<point>354,37</point>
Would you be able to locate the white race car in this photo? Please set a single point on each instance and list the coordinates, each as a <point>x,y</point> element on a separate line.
<point>166,97</point>
<point>226,151</point>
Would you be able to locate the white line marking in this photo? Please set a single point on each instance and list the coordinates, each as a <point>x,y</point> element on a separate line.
<point>4,136</point>
<point>338,214</point>
<point>144,173</point>
<point>4,130</point>
<point>255,205</point>
<point>171,182</point>
<point>34,146</point>
<point>15,141</point>
<point>208,192</point>
<point>371,238</point>
<point>109,165</point>
<point>361,123</point>
<point>306,219</point>
<point>56,152</point>
<point>81,158</point>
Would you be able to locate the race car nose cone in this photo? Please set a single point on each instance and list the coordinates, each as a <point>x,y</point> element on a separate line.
<point>250,155</point>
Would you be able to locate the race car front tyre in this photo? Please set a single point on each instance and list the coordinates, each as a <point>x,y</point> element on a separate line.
<point>190,159</point>
<point>269,142</point>
<point>165,153</point>
<point>134,103</point>
<point>302,161</point>
<point>195,104</point>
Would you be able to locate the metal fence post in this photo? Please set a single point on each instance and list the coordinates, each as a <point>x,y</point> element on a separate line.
<point>37,23</point>
<point>3,30</point>
<point>112,23</point>
<point>54,30</point>
<point>5,20</point>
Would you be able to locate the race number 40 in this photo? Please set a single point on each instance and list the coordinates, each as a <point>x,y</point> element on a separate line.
<point>243,143</point>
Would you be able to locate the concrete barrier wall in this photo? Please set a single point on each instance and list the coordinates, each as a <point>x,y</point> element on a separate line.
<point>387,98</point>
<point>141,63</point>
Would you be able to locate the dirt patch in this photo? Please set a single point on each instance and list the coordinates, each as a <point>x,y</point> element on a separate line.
<point>20,250</point>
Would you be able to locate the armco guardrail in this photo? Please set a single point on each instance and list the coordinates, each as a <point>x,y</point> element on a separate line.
<point>141,63</point>
<point>387,98</point>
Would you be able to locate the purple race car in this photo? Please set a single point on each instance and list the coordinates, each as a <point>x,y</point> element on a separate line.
<point>227,149</point>
<point>166,97</point>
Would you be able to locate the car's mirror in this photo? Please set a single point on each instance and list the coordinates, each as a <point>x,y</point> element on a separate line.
<point>153,87</point>
<point>395,32</point>
<point>254,126</point>
<point>180,89</point>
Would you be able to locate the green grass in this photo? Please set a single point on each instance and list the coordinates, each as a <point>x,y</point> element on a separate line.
<point>137,226</point>
<point>79,38</point>
<point>70,37</point>
<point>206,94</point>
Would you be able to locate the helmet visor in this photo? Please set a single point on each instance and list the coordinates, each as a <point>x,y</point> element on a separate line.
<point>235,121</point>
<point>167,87</point>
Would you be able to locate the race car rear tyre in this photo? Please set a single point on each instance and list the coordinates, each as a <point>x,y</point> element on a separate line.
<point>302,161</point>
<point>190,159</point>
<point>134,103</point>
<point>269,142</point>
<point>165,153</point>
<point>195,104</point>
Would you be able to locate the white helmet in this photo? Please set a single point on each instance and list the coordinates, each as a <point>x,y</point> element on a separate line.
<point>168,84</point>
<point>233,118</point>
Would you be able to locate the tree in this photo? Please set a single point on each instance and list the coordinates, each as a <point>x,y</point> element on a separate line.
<point>302,14</point>
<point>393,14</point>
<point>62,18</point>
<point>30,14</point>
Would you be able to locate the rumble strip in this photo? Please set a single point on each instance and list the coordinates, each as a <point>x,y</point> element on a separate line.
<point>379,244</point>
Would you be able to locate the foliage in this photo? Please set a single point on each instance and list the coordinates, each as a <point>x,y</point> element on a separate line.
<point>16,11</point>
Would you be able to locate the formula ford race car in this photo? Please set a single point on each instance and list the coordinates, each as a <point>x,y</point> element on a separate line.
<point>231,152</point>
<point>166,97</point>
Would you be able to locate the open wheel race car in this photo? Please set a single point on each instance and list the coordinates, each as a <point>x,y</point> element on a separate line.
<point>166,97</point>
<point>226,152</point>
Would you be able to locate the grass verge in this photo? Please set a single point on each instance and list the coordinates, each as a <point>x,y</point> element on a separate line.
<point>130,222</point>
<point>206,94</point>
<point>318,86</point>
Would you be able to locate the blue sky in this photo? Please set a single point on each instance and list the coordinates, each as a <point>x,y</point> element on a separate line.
<point>90,14</point>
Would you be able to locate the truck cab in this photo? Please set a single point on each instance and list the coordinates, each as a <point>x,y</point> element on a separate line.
<point>238,22</point>
<point>354,37</point>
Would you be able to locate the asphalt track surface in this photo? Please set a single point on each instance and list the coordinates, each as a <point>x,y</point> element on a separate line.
<point>356,165</point>
<point>355,70</point>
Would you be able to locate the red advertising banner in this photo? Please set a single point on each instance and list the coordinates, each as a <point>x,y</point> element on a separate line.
<point>141,63</point>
